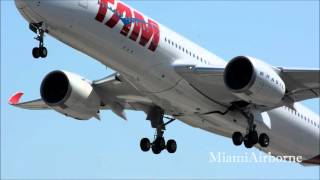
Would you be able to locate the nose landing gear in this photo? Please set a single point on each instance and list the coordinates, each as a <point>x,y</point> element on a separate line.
<point>39,51</point>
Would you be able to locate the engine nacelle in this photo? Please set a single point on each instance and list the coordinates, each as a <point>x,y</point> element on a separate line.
<point>254,81</point>
<point>70,94</point>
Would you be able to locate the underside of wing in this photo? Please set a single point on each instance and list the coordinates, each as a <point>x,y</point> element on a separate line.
<point>74,96</point>
<point>117,94</point>
<point>301,84</point>
<point>246,80</point>
<point>208,81</point>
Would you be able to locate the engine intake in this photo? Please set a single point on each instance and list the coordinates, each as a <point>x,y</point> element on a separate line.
<point>239,74</point>
<point>254,81</point>
<point>70,94</point>
<point>55,88</point>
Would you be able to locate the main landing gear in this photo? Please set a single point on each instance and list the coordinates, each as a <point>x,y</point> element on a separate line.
<point>39,51</point>
<point>251,138</point>
<point>158,144</point>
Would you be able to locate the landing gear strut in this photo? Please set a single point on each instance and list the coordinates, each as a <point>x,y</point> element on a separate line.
<point>158,144</point>
<point>39,51</point>
<point>251,138</point>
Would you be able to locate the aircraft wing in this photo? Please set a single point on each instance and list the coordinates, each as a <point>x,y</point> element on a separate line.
<point>37,104</point>
<point>301,84</point>
<point>115,92</point>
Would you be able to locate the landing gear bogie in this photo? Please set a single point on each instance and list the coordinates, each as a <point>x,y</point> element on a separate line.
<point>39,52</point>
<point>158,145</point>
<point>250,139</point>
<point>156,115</point>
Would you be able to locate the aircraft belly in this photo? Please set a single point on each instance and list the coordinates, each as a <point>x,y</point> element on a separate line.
<point>288,135</point>
<point>184,100</point>
<point>202,123</point>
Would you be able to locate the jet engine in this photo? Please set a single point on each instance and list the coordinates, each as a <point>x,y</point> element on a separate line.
<point>70,94</point>
<point>254,81</point>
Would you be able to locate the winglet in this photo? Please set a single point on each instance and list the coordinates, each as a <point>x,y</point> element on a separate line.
<point>15,98</point>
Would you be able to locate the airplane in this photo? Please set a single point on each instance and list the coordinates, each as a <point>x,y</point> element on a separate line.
<point>171,78</point>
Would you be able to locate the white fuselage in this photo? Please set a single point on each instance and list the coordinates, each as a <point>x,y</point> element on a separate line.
<point>151,72</point>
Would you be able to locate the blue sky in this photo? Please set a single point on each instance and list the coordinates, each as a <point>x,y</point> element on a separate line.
<point>45,144</point>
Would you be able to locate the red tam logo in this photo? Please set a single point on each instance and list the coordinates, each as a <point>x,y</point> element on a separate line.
<point>149,30</point>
